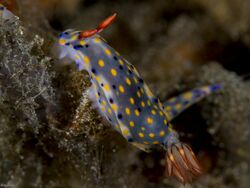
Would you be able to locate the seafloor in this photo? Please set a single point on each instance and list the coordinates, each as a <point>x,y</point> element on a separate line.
<point>50,134</point>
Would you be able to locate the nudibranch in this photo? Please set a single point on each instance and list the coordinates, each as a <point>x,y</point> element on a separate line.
<point>124,99</point>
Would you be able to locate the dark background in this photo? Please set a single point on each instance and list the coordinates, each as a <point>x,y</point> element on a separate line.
<point>58,140</point>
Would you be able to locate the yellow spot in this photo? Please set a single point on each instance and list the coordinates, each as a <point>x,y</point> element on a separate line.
<point>125,132</point>
<point>97,40</point>
<point>153,112</point>
<point>107,51</point>
<point>168,108</point>
<point>178,106</point>
<point>132,124</point>
<point>162,133</point>
<point>121,88</point>
<point>155,142</point>
<point>151,135</point>
<point>137,113</point>
<point>113,72</point>
<point>148,102</point>
<point>160,104</point>
<point>106,87</point>
<point>86,59</point>
<point>117,126</point>
<point>138,94</point>
<point>136,80</point>
<point>62,41</point>
<point>168,116</point>
<point>127,110</point>
<point>104,103</point>
<point>165,122</point>
<point>155,106</point>
<point>121,62</point>
<point>128,81</point>
<point>161,113</point>
<point>109,111</point>
<point>132,101</point>
<point>77,56</point>
<point>117,53</point>
<point>141,134</point>
<point>101,63</point>
<point>102,108</point>
<point>98,79</point>
<point>114,107</point>
<point>149,120</point>
<point>142,104</point>
<point>74,37</point>
<point>82,42</point>
<point>188,95</point>
<point>86,66</point>
<point>136,71</point>
<point>96,95</point>
<point>172,99</point>
<point>143,128</point>
<point>149,93</point>
<point>145,142</point>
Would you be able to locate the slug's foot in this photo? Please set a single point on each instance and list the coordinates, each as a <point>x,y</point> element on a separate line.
<point>181,163</point>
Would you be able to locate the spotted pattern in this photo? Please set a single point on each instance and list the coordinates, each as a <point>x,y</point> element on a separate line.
<point>174,106</point>
<point>121,95</point>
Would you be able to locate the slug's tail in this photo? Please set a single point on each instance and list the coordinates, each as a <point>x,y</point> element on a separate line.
<point>181,163</point>
<point>174,106</point>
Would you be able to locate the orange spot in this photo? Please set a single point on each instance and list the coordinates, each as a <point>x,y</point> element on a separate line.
<point>149,120</point>
<point>162,133</point>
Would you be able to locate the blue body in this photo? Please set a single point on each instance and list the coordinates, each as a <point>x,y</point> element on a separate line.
<point>120,93</point>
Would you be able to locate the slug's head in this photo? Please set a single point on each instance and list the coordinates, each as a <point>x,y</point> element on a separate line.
<point>71,39</point>
<point>69,36</point>
<point>63,48</point>
<point>181,162</point>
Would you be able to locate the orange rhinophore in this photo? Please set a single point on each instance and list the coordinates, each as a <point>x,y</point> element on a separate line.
<point>88,33</point>
<point>108,21</point>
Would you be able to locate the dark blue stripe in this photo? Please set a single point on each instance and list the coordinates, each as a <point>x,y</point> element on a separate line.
<point>215,87</point>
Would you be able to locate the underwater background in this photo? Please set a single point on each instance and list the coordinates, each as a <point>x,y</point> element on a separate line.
<point>51,135</point>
